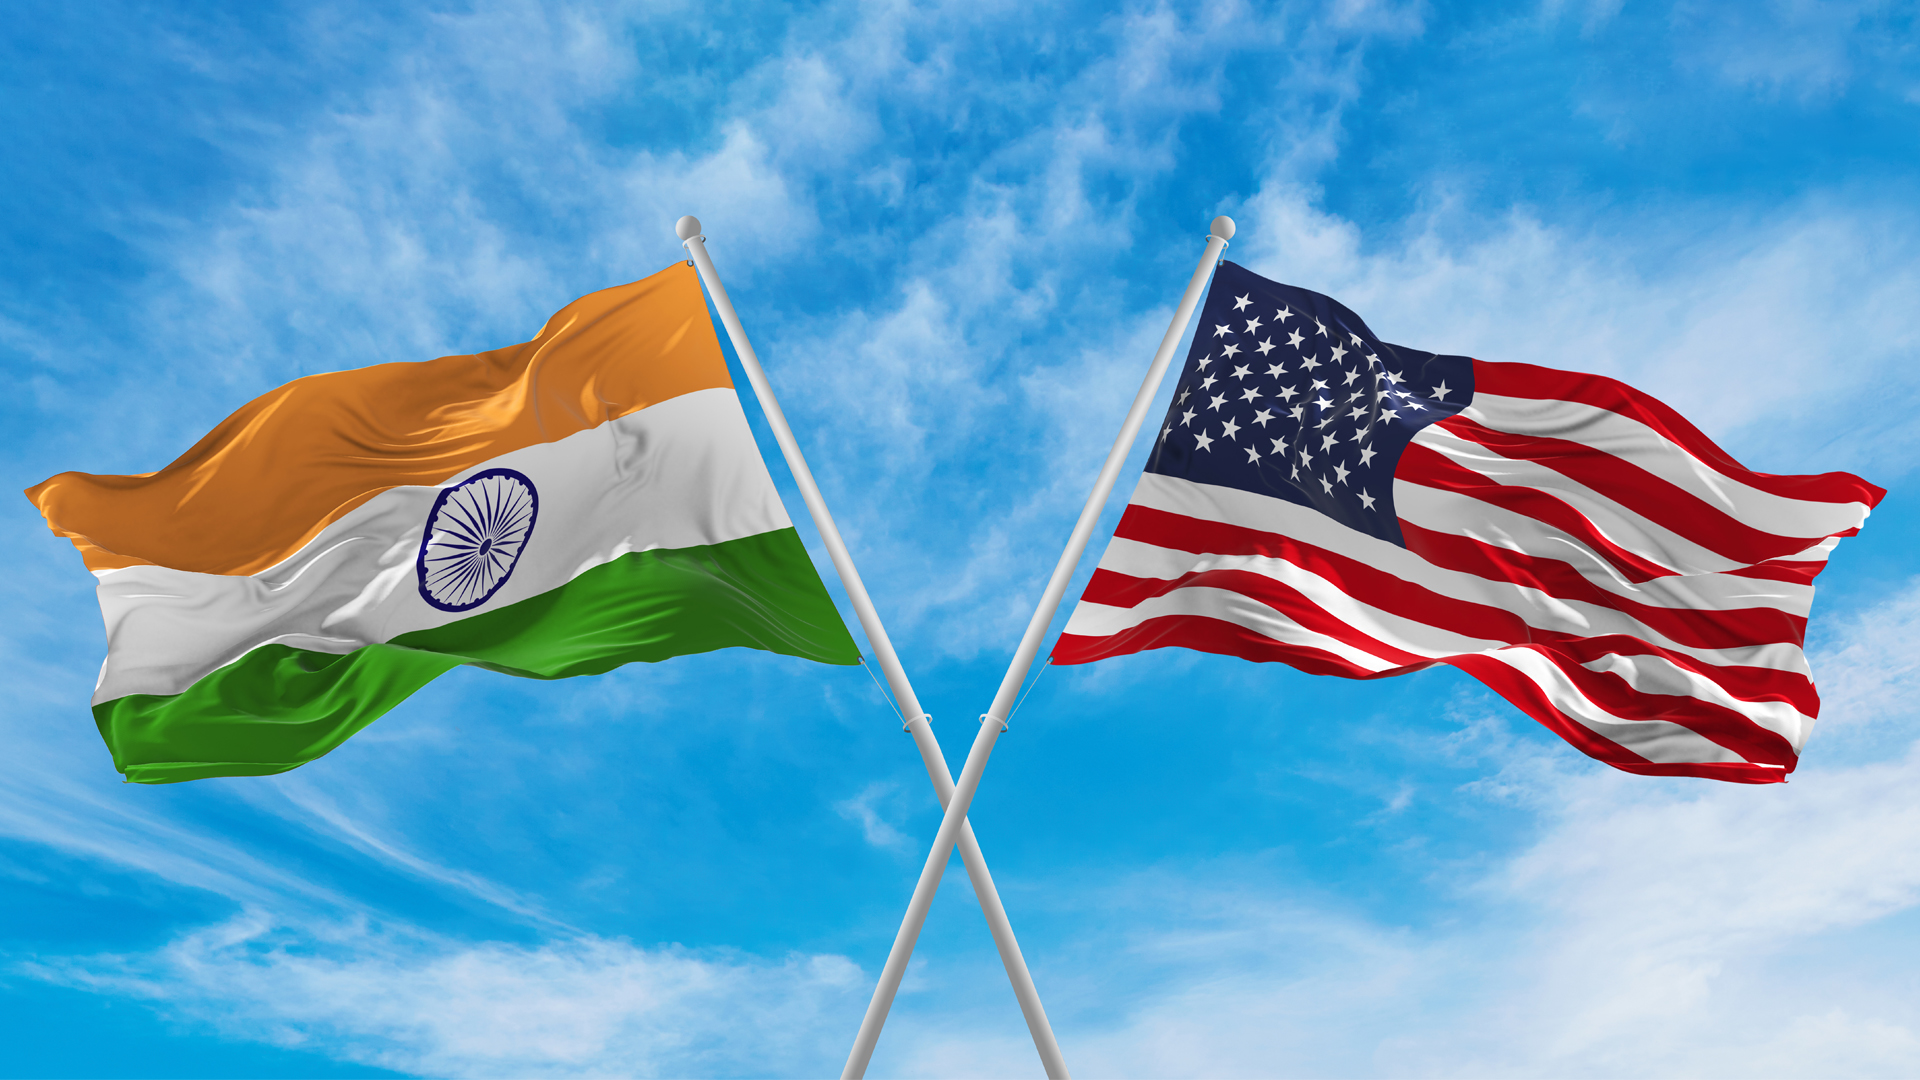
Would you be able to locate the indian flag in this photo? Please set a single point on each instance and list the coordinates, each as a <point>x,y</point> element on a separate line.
<point>590,498</point>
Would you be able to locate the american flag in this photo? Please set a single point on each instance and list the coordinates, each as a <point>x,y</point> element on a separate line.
<point>1320,498</point>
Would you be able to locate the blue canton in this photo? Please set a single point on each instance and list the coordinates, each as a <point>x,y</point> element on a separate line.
<point>1287,394</point>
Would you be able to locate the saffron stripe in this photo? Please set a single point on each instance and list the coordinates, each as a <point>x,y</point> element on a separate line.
<point>284,466</point>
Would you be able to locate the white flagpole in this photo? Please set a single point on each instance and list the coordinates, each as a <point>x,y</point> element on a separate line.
<point>994,721</point>
<point>688,229</point>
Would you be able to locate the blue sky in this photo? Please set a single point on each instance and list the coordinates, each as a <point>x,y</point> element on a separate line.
<point>956,234</point>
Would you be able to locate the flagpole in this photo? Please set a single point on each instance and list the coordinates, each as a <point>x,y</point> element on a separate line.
<point>994,721</point>
<point>688,229</point>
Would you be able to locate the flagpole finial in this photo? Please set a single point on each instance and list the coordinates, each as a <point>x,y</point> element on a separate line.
<point>1222,227</point>
<point>689,227</point>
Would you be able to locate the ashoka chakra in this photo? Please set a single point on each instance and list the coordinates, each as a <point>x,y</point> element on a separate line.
<point>475,535</point>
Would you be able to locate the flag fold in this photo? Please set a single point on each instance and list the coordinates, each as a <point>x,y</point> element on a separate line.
<point>586,499</point>
<point>1320,498</point>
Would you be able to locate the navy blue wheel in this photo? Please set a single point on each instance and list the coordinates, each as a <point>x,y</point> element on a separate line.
<point>476,533</point>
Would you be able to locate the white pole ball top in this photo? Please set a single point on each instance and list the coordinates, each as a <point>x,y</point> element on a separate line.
<point>1223,227</point>
<point>689,227</point>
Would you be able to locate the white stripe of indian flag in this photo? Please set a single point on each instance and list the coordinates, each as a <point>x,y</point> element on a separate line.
<point>659,534</point>
<point>588,499</point>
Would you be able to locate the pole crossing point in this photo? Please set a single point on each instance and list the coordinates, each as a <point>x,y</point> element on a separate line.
<point>993,722</point>
<point>688,230</point>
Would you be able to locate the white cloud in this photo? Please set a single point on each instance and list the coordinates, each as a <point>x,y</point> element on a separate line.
<point>1869,669</point>
<point>1760,332</point>
<point>401,999</point>
<point>455,200</point>
<point>1799,48</point>
<point>863,810</point>
<point>1653,928</point>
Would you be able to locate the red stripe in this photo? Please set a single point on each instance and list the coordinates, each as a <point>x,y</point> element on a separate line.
<point>1743,682</point>
<point>1638,491</point>
<point>1710,720</point>
<point>1701,628</point>
<point>1529,698</point>
<point>1430,468</point>
<point>1229,639</point>
<point>1213,636</point>
<point>1724,628</point>
<point>1416,604</point>
<point>1107,587</point>
<point>1528,381</point>
<point>1798,571</point>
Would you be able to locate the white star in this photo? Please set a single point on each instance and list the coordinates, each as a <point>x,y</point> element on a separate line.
<point>1440,392</point>
<point>1187,417</point>
<point>1296,472</point>
<point>1240,302</point>
<point>1220,331</point>
<point>1356,339</point>
<point>1207,383</point>
<point>1372,360</point>
<point>1389,414</point>
<point>1322,327</point>
<point>1262,417</point>
<point>1231,428</point>
<point>1287,393</point>
<point>1351,375</point>
<point>1309,363</point>
<point>1203,362</point>
<point>1230,350</point>
<point>1283,314</point>
<point>1326,443</point>
<point>1252,325</point>
<point>1242,371</point>
<point>1319,384</point>
<point>1360,434</point>
<point>1306,456</point>
<point>1358,413</point>
<point>1274,371</point>
<point>1183,395</point>
<point>1166,431</point>
<point>1325,483</point>
<point>1366,499</point>
<point>1294,339</point>
<point>1203,441</point>
<point>1338,352</point>
<point>1415,405</point>
<point>1296,411</point>
<point>1266,347</point>
<point>1218,400</point>
<point>1252,455</point>
<point>1279,446</point>
<point>1340,473</point>
<point>1323,403</point>
<point>1251,393</point>
<point>1394,378</point>
<point>1367,454</point>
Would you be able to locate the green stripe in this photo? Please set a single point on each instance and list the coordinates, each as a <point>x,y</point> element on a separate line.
<point>278,708</point>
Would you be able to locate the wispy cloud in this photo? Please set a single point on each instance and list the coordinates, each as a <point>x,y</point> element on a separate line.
<point>1652,928</point>
<point>1758,331</point>
<point>1795,48</point>
<point>863,809</point>
<point>403,999</point>
<point>949,229</point>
